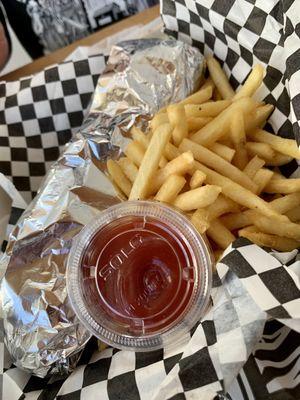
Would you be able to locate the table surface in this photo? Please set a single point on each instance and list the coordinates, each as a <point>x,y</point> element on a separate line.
<point>39,64</point>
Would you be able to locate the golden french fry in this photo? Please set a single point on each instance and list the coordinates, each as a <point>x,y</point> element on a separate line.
<point>294,214</point>
<point>179,132</point>
<point>178,166</point>
<point>211,109</point>
<point>235,221</point>
<point>171,152</point>
<point>280,228</point>
<point>197,179</point>
<point>196,123</point>
<point>253,166</point>
<point>283,186</point>
<point>238,136</point>
<point>162,162</point>
<point>200,219</point>
<point>263,150</point>
<point>262,178</point>
<point>286,203</point>
<point>135,152</point>
<point>258,119</point>
<point>252,83</point>
<point>217,95</point>
<point>199,97</point>
<point>216,162</point>
<point>149,165</point>
<point>219,126</point>
<point>118,177</point>
<point>238,193</point>
<point>144,140</point>
<point>220,234</point>
<point>197,198</point>
<point>170,188</point>
<point>208,83</point>
<point>219,78</point>
<point>237,129</point>
<point>177,118</point>
<point>221,206</point>
<point>278,160</point>
<point>140,137</point>
<point>275,242</point>
<point>129,168</point>
<point>176,112</point>
<point>159,119</point>
<point>223,151</point>
<point>285,146</point>
<point>277,174</point>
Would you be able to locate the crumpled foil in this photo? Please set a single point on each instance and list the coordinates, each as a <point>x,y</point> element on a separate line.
<point>42,332</point>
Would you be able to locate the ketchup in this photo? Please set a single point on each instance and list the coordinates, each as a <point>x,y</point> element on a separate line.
<point>137,273</point>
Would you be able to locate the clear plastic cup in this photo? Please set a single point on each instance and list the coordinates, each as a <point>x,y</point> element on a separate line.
<point>139,276</point>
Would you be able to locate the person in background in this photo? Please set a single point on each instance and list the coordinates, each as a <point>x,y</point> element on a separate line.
<point>43,26</point>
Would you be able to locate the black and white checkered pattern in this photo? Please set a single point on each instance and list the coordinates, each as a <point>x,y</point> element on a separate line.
<point>38,115</point>
<point>241,33</point>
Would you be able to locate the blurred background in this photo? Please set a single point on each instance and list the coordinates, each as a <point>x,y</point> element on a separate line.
<point>32,28</point>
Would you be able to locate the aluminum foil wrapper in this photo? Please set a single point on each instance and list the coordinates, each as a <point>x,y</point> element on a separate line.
<point>42,332</point>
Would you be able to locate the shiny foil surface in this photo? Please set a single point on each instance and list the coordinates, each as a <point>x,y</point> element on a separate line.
<point>42,332</point>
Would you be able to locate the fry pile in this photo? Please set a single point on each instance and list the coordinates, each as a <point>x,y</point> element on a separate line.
<point>208,156</point>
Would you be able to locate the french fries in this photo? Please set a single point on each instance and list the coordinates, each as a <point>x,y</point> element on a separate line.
<point>197,198</point>
<point>129,168</point>
<point>158,119</point>
<point>294,214</point>
<point>253,166</point>
<point>238,136</point>
<point>149,164</point>
<point>204,94</point>
<point>177,118</point>
<point>219,126</point>
<point>216,162</point>
<point>208,156</point>
<point>170,188</point>
<point>252,83</point>
<point>219,78</point>
<point>178,166</point>
<point>278,160</point>
<point>135,152</point>
<point>262,178</point>
<point>118,177</point>
<point>286,229</point>
<point>197,179</point>
<point>275,242</point>
<point>262,150</point>
<point>202,217</point>
<point>220,234</point>
<point>196,123</point>
<point>285,146</point>
<point>237,193</point>
<point>223,151</point>
<point>258,118</point>
<point>206,110</point>
<point>284,186</point>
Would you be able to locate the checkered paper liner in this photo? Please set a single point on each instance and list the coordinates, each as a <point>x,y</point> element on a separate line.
<point>231,350</point>
<point>38,116</point>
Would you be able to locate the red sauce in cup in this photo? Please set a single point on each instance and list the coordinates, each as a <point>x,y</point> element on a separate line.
<point>139,276</point>
<point>138,273</point>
